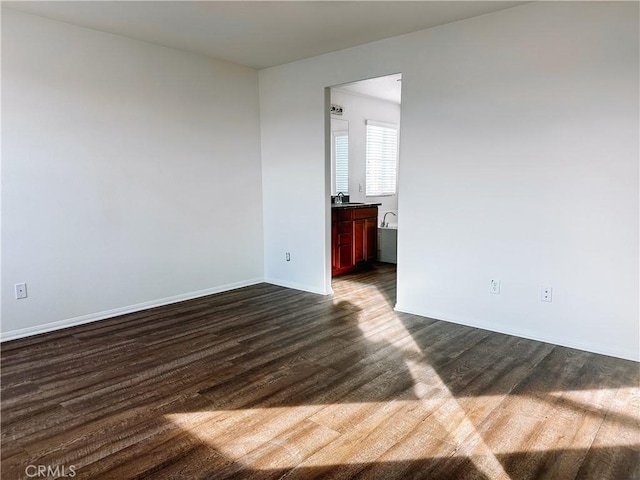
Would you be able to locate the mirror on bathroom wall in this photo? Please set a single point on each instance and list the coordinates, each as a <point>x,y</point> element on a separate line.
<point>339,156</point>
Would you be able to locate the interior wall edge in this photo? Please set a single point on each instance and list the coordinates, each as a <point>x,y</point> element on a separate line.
<point>624,354</point>
<point>297,286</point>
<point>115,312</point>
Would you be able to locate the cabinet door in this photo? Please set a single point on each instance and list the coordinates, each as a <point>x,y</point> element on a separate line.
<point>371,228</point>
<point>345,244</point>
<point>345,256</point>
<point>359,241</point>
<point>334,244</point>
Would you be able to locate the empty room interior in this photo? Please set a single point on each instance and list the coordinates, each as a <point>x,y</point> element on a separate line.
<point>385,240</point>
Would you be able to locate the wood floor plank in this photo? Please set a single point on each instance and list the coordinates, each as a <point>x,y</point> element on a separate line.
<point>265,382</point>
<point>179,456</point>
<point>291,448</point>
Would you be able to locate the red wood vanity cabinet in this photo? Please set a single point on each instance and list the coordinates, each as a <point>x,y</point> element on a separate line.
<point>354,238</point>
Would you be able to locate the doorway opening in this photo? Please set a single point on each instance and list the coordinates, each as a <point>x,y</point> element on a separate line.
<point>363,138</point>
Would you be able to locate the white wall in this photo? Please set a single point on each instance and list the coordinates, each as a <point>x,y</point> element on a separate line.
<point>358,109</point>
<point>130,174</point>
<point>519,161</point>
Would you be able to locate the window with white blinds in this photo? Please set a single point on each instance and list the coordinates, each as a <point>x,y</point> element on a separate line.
<point>341,145</point>
<point>381,158</point>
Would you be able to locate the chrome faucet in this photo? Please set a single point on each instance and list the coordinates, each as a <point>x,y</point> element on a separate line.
<point>339,197</point>
<point>383,224</point>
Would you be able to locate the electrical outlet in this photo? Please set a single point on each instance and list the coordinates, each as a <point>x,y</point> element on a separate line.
<point>21,290</point>
<point>494,287</point>
<point>546,294</point>
<point>287,256</point>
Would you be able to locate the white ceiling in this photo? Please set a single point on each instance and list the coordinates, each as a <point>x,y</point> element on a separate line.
<point>259,34</point>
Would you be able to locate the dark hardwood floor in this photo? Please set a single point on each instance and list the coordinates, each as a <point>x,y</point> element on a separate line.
<point>266,382</point>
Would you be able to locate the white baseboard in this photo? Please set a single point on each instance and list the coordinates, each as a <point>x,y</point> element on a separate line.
<point>94,317</point>
<point>296,286</point>
<point>529,335</point>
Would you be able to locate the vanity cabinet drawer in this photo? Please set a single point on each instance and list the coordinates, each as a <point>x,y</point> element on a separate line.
<point>360,213</point>
<point>345,239</point>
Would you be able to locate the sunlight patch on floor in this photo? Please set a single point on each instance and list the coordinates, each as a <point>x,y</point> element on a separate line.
<point>236,433</point>
<point>463,429</point>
